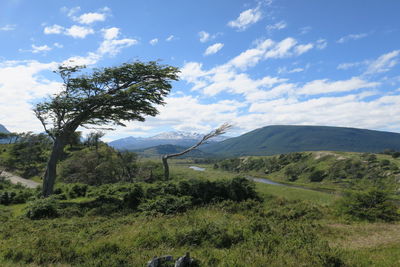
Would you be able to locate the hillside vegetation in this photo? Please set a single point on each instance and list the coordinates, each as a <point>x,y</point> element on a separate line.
<point>336,170</point>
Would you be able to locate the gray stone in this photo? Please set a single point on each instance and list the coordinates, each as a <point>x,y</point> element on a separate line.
<point>184,261</point>
<point>158,261</point>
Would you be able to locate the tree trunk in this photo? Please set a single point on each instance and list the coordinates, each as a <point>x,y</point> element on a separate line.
<point>166,167</point>
<point>51,170</point>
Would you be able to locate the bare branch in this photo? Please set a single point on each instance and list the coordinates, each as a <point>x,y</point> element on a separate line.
<point>219,131</point>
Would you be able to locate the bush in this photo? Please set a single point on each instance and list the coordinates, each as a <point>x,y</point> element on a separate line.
<point>14,196</point>
<point>370,205</point>
<point>42,208</point>
<point>133,197</point>
<point>167,204</point>
<point>77,190</point>
<point>317,176</point>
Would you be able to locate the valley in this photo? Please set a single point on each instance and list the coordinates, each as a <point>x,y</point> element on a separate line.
<point>114,208</point>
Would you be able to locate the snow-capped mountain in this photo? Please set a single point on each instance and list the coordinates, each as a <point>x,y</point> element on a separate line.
<point>177,135</point>
<point>179,138</point>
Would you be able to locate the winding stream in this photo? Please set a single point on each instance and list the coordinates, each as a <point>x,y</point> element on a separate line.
<point>267,181</point>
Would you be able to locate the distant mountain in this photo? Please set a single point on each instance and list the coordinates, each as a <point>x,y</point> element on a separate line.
<point>170,149</point>
<point>284,139</point>
<point>3,129</point>
<point>183,139</point>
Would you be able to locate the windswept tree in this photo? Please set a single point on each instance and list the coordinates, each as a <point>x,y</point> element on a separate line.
<point>107,96</point>
<point>220,130</point>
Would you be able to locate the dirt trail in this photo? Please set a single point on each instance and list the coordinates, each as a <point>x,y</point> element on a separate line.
<point>16,179</point>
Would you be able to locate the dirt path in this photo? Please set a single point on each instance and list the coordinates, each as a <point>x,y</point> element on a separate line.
<point>16,179</point>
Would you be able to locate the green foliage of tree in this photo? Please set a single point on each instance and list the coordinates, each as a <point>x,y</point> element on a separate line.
<point>29,154</point>
<point>96,167</point>
<point>267,164</point>
<point>108,96</point>
<point>317,176</point>
<point>371,205</point>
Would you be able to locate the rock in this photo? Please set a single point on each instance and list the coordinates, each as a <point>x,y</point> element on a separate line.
<point>185,261</point>
<point>155,262</point>
<point>159,261</point>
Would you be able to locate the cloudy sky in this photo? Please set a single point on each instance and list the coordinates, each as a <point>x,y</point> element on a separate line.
<point>251,63</point>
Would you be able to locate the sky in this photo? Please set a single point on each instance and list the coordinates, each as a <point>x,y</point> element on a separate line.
<point>249,63</point>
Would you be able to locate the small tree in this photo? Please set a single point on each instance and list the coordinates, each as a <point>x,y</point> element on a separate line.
<point>93,139</point>
<point>107,96</point>
<point>220,130</point>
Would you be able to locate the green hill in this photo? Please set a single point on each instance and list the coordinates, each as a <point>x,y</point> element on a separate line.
<point>279,139</point>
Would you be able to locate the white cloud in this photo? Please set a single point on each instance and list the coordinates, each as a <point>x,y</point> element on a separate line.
<point>89,18</point>
<point>204,36</point>
<point>178,114</point>
<point>110,33</point>
<point>351,37</point>
<point>305,30</point>
<point>8,27</point>
<point>384,63</point>
<point>86,18</point>
<point>42,48</point>
<point>90,59</point>
<point>71,11</point>
<point>321,44</point>
<point>170,38</point>
<point>212,49</point>
<point>110,46</point>
<point>349,65</point>
<point>324,86</point>
<point>76,31</point>
<point>229,78</point>
<point>113,47</point>
<point>58,45</point>
<point>301,49</point>
<point>22,83</point>
<point>252,56</point>
<point>269,49</point>
<point>285,69</point>
<point>246,18</point>
<point>54,29</point>
<point>378,114</point>
<point>282,49</point>
<point>153,41</point>
<point>277,26</point>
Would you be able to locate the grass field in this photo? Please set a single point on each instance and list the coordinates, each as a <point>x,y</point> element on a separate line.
<point>291,227</point>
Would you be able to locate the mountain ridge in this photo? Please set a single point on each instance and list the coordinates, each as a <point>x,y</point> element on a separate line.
<point>177,138</point>
<point>280,139</point>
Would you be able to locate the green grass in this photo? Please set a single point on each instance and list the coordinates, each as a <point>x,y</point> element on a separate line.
<point>291,193</point>
<point>227,235</point>
<point>293,227</point>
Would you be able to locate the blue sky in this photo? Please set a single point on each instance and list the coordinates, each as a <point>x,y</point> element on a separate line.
<point>250,63</point>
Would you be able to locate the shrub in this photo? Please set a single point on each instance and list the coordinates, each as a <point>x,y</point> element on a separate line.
<point>133,197</point>
<point>167,204</point>
<point>42,208</point>
<point>317,176</point>
<point>14,196</point>
<point>77,190</point>
<point>370,205</point>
